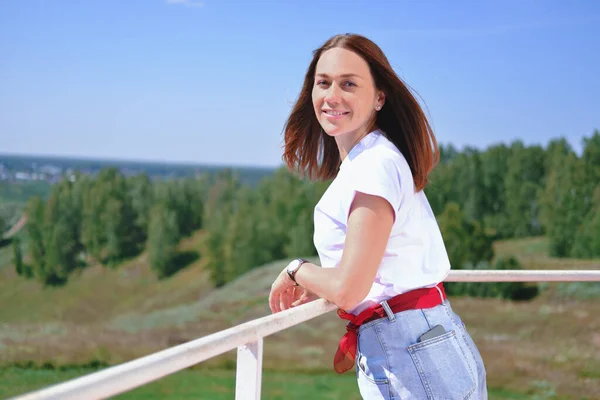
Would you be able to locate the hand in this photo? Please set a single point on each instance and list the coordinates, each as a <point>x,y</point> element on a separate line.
<point>303,296</point>
<point>282,292</point>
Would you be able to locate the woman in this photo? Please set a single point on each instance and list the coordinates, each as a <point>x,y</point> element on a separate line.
<point>382,254</point>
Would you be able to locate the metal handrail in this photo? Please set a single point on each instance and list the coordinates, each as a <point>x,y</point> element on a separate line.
<point>248,338</point>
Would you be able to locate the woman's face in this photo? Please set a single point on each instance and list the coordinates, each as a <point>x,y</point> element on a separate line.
<point>344,95</point>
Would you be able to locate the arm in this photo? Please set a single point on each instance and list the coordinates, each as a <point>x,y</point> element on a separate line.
<point>369,225</point>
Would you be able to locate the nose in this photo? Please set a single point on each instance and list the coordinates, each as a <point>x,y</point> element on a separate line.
<point>333,94</point>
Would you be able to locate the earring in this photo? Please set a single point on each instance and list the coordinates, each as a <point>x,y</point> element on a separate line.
<point>378,108</point>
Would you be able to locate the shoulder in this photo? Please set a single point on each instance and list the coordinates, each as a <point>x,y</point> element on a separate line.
<point>383,160</point>
<point>382,153</point>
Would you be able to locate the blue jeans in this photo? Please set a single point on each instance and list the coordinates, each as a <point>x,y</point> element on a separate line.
<point>391,364</point>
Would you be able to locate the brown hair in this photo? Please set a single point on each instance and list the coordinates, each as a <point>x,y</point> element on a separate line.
<point>314,153</point>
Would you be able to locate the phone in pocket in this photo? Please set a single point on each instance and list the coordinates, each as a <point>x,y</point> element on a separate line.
<point>436,331</point>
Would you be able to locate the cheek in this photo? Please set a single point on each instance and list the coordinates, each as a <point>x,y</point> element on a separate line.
<point>315,100</point>
<point>359,108</point>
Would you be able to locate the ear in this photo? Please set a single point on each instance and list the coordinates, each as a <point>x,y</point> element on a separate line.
<point>380,100</point>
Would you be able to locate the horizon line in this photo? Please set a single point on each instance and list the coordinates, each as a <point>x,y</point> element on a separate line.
<point>136,161</point>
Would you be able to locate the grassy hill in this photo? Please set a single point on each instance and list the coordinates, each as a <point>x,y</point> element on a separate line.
<point>550,344</point>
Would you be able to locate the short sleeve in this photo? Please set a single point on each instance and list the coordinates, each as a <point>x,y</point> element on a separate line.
<point>378,173</point>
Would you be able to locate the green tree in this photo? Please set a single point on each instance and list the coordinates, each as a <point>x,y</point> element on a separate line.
<point>523,181</point>
<point>587,239</point>
<point>247,227</point>
<point>300,234</point>
<point>109,228</point>
<point>301,230</point>
<point>141,198</point>
<point>460,179</point>
<point>562,200</point>
<point>591,165</point>
<point>163,237</point>
<point>285,198</point>
<point>494,170</point>
<point>218,210</point>
<point>92,232</point>
<point>186,197</point>
<point>212,245</point>
<point>465,241</point>
<point>240,244</point>
<point>116,231</point>
<point>60,237</point>
<point>18,256</point>
<point>34,226</point>
<point>472,185</point>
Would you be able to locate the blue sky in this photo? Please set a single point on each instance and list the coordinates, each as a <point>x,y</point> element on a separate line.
<point>213,81</point>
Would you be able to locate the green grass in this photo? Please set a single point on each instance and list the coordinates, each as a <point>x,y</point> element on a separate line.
<point>213,384</point>
<point>97,293</point>
<point>533,253</point>
<point>20,192</point>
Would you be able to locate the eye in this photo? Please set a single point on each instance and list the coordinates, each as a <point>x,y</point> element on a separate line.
<point>349,84</point>
<point>321,82</point>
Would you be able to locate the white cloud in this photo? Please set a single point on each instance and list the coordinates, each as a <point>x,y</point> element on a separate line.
<point>187,3</point>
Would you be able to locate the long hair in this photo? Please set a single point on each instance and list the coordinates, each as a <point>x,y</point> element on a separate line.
<point>314,153</point>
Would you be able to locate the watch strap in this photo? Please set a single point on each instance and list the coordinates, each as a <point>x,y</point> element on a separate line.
<point>292,274</point>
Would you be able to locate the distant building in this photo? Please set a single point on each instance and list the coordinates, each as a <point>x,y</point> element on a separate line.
<point>23,176</point>
<point>52,170</point>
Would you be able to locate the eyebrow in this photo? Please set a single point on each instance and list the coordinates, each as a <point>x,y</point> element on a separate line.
<point>341,76</point>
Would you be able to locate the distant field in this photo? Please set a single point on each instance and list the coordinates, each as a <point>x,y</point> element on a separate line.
<point>20,192</point>
<point>548,345</point>
<point>14,197</point>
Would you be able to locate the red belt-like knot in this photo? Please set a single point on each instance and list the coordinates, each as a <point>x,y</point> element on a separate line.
<point>415,299</point>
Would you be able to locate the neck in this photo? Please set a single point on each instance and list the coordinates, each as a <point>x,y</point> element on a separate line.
<point>347,141</point>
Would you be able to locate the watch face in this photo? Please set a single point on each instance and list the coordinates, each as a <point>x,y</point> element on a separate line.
<point>293,266</point>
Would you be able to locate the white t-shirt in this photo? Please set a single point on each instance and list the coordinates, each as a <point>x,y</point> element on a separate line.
<point>415,255</point>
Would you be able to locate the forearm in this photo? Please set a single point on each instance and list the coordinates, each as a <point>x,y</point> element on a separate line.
<point>327,283</point>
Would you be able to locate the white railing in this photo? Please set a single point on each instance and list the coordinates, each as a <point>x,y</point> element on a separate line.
<point>248,338</point>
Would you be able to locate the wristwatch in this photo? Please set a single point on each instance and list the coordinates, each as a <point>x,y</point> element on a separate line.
<point>293,267</point>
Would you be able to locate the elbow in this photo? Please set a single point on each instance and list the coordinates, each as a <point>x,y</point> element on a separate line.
<point>347,298</point>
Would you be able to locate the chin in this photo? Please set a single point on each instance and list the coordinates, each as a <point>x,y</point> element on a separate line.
<point>333,131</point>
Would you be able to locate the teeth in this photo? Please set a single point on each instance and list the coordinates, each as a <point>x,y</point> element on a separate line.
<point>335,112</point>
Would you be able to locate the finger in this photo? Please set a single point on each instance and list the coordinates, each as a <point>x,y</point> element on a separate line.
<point>285,299</point>
<point>274,298</point>
<point>293,293</point>
<point>301,300</point>
<point>289,297</point>
<point>271,302</point>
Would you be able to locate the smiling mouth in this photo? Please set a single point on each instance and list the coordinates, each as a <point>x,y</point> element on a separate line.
<point>335,113</point>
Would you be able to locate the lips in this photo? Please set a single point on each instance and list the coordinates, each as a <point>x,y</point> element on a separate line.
<point>334,113</point>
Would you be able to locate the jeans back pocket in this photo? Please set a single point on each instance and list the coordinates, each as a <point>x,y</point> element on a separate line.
<point>443,367</point>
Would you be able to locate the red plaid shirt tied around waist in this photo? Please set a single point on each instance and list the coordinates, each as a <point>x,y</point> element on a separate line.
<point>415,299</point>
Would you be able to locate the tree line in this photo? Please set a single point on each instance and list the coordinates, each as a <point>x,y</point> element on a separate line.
<point>517,191</point>
<point>107,219</point>
<point>505,191</point>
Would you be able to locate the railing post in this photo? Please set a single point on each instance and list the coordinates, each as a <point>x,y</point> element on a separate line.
<point>248,378</point>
